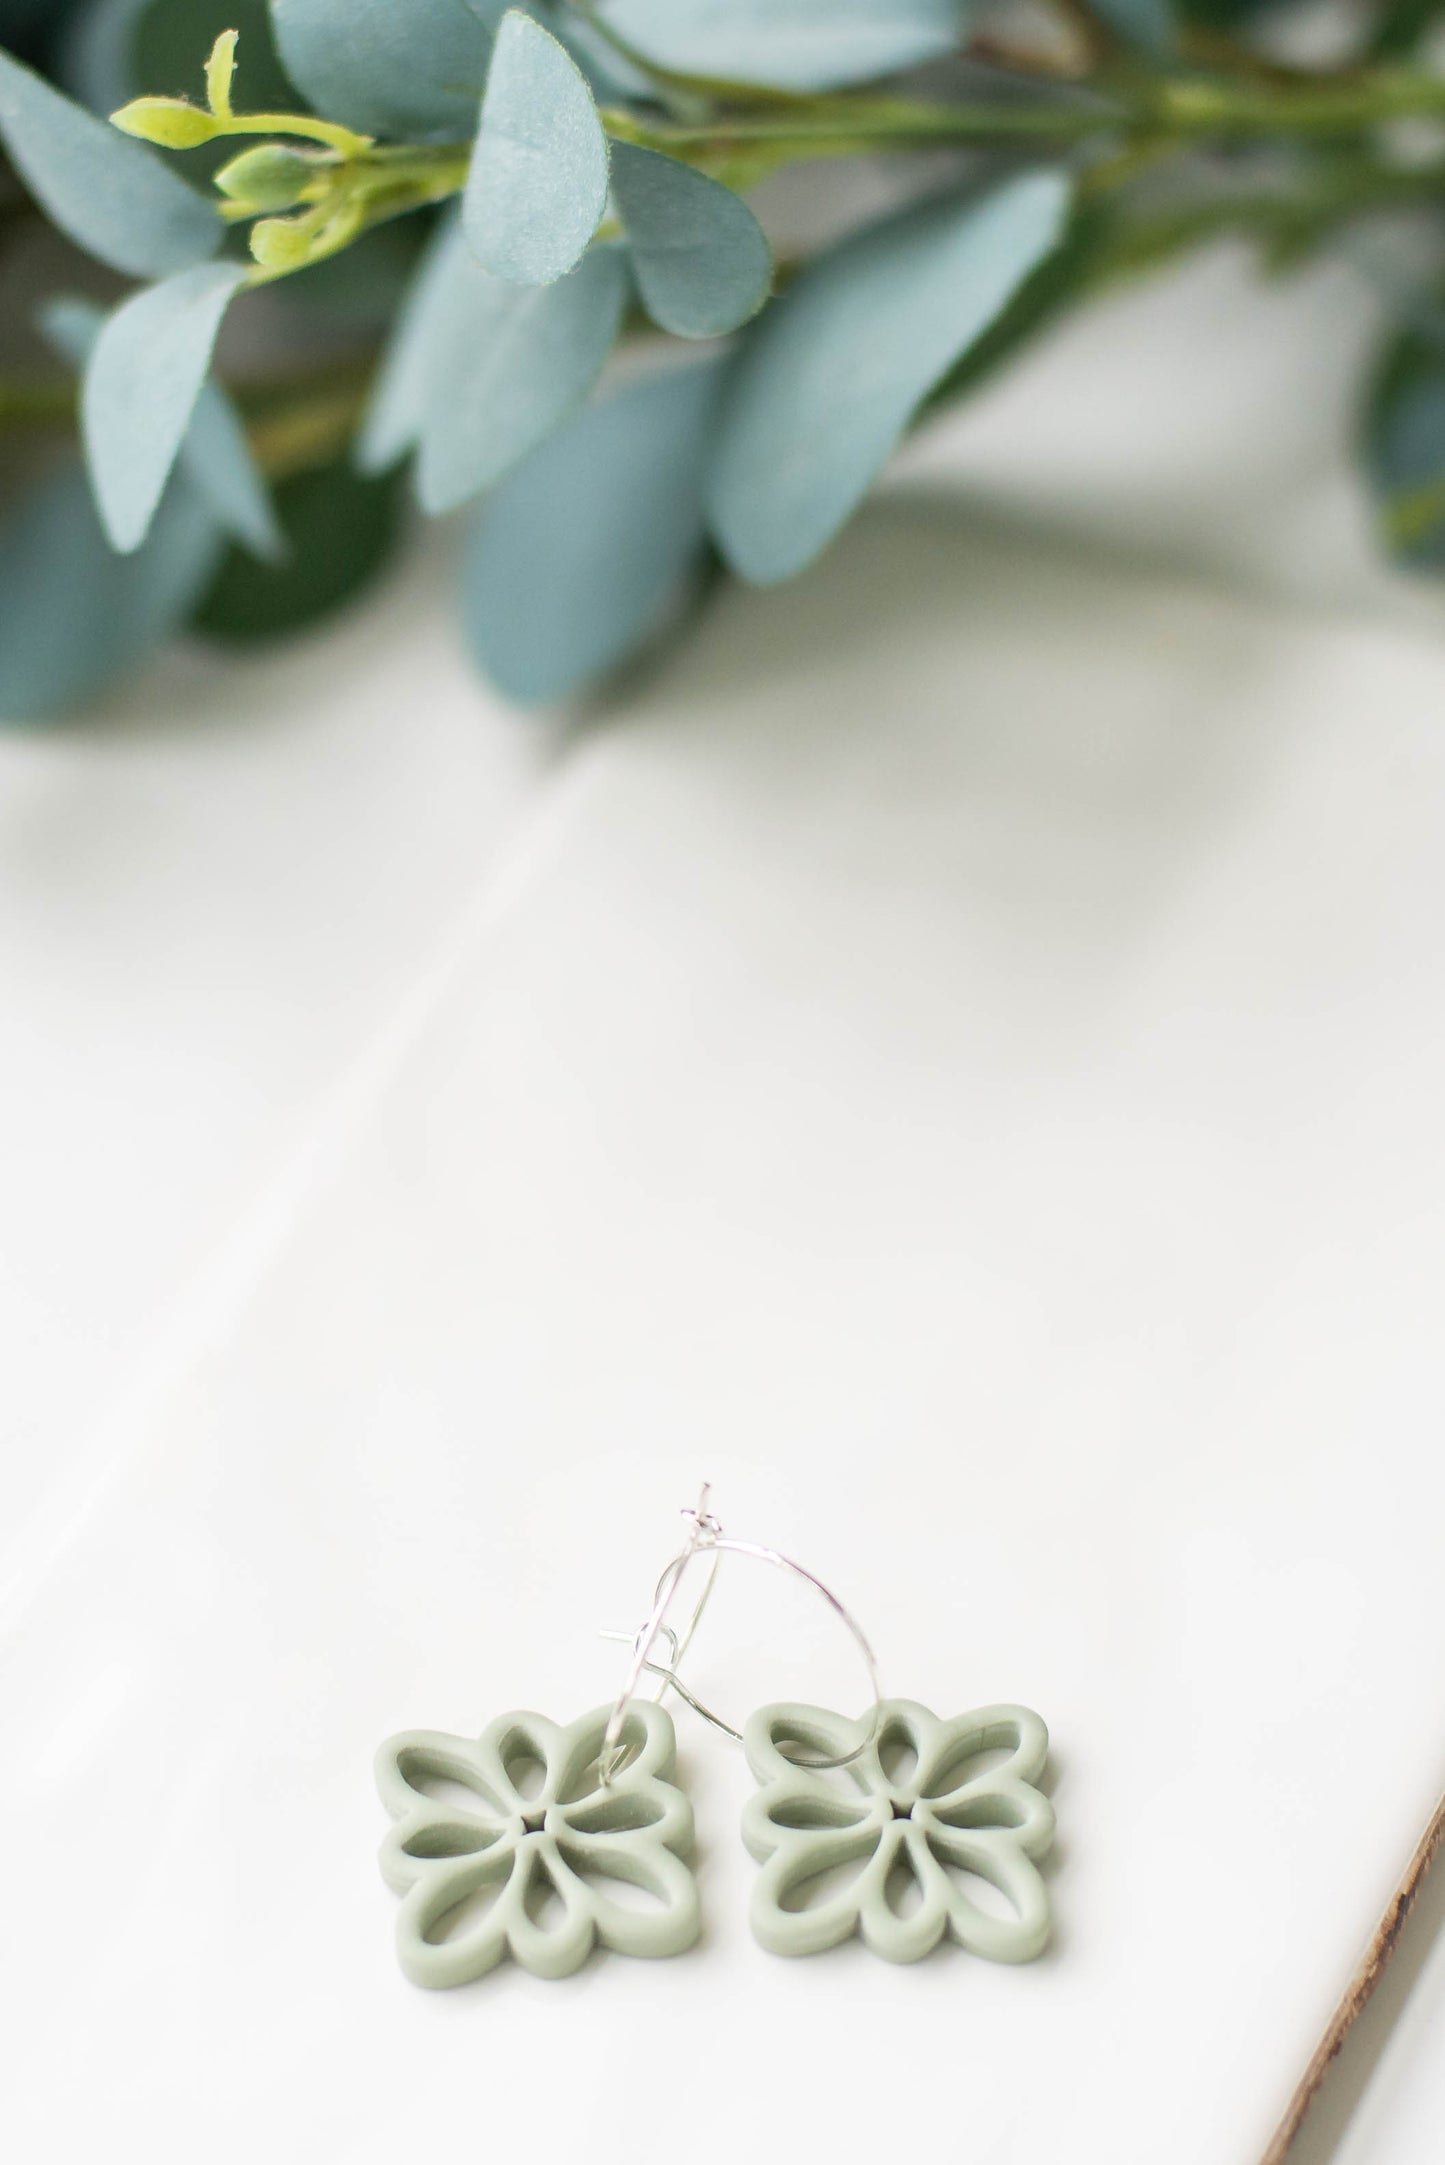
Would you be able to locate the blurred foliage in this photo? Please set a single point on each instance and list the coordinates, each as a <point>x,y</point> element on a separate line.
<point>355,243</point>
<point>340,527</point>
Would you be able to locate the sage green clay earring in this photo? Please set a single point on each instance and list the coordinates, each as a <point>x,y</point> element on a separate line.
<point>491,1862</point>
<point>911,1813</point>
<point>919,1808</point>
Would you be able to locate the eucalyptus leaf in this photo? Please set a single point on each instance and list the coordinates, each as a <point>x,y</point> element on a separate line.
<point>397,408</point>
<point>141,387</point>
<point>791,44</point>
<point>1056,284</point>
<point>73,614</point>
<point>1150,24</point>
<point>702,261</point>
<point>582,553</point>
<point>826,384</point>
<point>411,70</point>
<point>507,365</point>
<point>537,188</point>
<point>113,196</point>
<point>214,454</point>
<point>339,529</point>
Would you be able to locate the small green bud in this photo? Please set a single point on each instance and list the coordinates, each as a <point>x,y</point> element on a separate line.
<point>268,178</point>
<point>282,244</point>
<point>174,123</point>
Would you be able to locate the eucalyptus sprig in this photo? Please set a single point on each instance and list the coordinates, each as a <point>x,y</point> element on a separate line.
<point>521,188</point>
<point>332,193</point>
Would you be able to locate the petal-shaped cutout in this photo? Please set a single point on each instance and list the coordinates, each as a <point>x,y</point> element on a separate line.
<point>406,71</point>
<point>669,1921</point>
<point>772,1729</point>
<point>113,196</point>
<point>529,1763</point>
<point>426,1845</point>
<point>510,1748</point>
<point>453,1925</point>
<point>894,1926</point>
<point>788,1808</point>
<point>999,1859</point>
<point>141,386</point>
<point>904,1743</point>
<point>1011,1740</point>
<point>537,187</point>
<point>826,384</point>
<point>633,1806</point>
<point>615,1811</point>
<point>648,1744</point>
<point>550,1919</point>
<point>995,1803</point>
<point>409,1762</point>
<point>702,260</point>
<point>508,365</point>
<point>785,1918</point>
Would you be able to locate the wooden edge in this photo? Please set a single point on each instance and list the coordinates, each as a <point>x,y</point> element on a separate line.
<point>1361,1988</point>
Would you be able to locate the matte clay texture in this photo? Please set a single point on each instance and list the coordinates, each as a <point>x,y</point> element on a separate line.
<point>524,1866</point>
<point>919,1804</point>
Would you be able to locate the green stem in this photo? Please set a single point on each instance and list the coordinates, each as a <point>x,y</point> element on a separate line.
<point>343,140</point>
<point>1179,109</point>
<point>857,127</point>
<point>1172,110</point>
<point>1229,110</point>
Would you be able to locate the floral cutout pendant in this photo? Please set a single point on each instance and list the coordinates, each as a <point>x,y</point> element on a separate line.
<point>916,1805</point>
<point>493,1864</point>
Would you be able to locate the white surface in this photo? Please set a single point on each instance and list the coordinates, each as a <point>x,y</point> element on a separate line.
<point>960,1064</point>
<point>211,896</point>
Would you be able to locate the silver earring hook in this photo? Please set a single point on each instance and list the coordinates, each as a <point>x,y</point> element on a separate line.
<point>705,1536</point>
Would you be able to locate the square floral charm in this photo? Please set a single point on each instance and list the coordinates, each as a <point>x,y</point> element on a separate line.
<point>900,1844</point>
<point>509,1843</point>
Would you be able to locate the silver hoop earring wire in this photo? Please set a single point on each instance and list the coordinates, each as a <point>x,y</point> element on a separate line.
<point>706,1537</point>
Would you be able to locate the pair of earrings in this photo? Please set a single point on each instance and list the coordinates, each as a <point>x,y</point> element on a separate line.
<point>911,1811</point>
